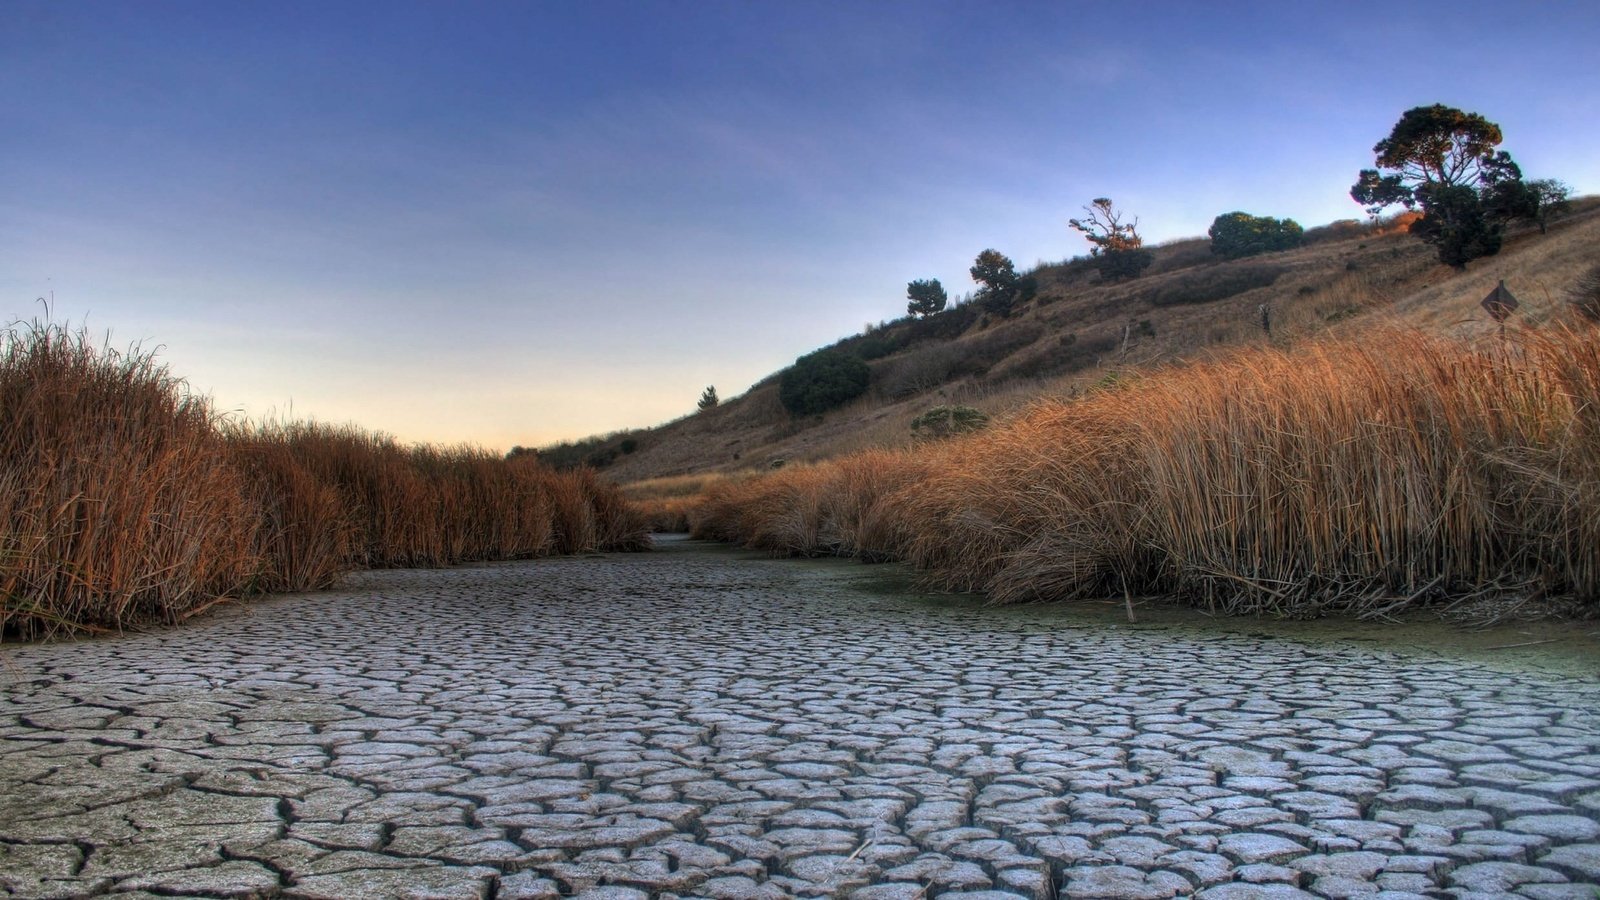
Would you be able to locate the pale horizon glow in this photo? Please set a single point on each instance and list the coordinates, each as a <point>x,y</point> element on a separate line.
<point>511,224</point>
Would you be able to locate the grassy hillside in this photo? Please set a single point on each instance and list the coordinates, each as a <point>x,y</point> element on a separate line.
<point>1383,446</point>
<point>1079,332</point>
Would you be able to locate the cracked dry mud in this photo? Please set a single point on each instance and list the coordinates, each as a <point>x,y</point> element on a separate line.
<point>698,723</point>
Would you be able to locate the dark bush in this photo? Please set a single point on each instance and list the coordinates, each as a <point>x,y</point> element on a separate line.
<point>823,380</point>
<point>1210,285</point>
<point>1461,225</point>
<point>951,323</point>
<point>1119,265</point>
<point>877,344</point>
<point>1238,234</point>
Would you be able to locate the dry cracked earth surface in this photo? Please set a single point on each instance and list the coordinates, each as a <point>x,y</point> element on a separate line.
<point>700,723</point>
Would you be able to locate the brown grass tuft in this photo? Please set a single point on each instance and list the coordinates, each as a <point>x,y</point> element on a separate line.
<point>119,504</point>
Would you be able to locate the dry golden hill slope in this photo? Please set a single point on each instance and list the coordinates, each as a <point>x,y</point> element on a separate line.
<point>1078,332</point>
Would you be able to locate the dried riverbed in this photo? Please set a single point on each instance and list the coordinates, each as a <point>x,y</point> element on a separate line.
<point>702,722</point>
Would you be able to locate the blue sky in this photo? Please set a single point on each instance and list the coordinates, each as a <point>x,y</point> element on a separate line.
<point>511,223</point>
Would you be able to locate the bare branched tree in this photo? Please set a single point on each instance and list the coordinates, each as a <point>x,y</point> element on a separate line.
<point>1105,229</point>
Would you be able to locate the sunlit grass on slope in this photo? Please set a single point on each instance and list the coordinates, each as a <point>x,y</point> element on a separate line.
<point>1360,475</point>
<point>125,499</point>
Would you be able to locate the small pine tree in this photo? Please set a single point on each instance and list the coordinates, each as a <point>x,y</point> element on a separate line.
<point>994,270</point>
<point>1002,288</point>
<point>708,397</point>
<point>927,297</point>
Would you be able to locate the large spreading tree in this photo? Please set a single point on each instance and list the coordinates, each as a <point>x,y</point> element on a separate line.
<point>1443,161</point>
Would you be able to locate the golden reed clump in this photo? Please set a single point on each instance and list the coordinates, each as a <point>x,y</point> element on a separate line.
<point>1363,476</point>
<point>124,499</point>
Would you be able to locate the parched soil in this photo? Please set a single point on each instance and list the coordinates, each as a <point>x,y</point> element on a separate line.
<point>701,722</point>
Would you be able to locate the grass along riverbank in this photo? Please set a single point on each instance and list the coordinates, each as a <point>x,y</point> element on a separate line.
<point>1366,476</point>
<point>124,498</point>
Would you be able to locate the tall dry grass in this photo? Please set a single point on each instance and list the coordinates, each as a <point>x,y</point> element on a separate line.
<point>1360,475</point>
<point>119,504</point>
<point>124,499</point>
<point>665,502</point>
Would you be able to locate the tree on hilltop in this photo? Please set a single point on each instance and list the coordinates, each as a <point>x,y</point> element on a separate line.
<point>1443,161</point>
<point>1116,246</point>
<point>994,270</point>
<point>708,398</point>
<point>927,297</point>
<point>1002,287</point>
<point>1549,200</point>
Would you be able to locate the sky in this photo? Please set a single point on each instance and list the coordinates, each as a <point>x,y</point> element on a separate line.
<point>517,223</point>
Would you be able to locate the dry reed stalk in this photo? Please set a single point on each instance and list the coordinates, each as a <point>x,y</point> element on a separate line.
<point>305,535</point>
<point>120,505</point>
<point>667,515</point>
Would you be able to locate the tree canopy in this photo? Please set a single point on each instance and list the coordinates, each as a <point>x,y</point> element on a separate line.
<point>994,270</point>
<point>1444,160</point>
<point>927,297</point>
<point>1002,287</point>
<point>1238,234</point>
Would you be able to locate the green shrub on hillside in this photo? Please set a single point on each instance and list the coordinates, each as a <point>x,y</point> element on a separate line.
<point>1122,265</point>
<point>942,421</point>
<point>1238,234</point>
<point>1550,198</point>
<point>820,381</point>
<point>951,323</point>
